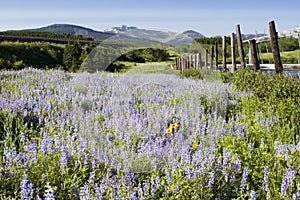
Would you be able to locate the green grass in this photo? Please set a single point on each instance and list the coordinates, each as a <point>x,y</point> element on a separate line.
<point>153,67</point>
<point>286,57</point>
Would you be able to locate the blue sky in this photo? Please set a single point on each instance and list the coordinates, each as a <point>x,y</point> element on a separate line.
<point>211,17</point>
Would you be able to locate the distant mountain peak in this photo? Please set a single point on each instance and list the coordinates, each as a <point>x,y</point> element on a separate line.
<point>159,35</point>
<point>125,32</point>
<point>122,28</point>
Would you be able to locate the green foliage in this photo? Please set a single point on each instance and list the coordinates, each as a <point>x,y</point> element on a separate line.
<point>120,66</point>
<point>103,56</point>
<point>145,55</point>
<point>267,86</point>
<point>15,55</point>
<point>271,117</point>
<point>11,125</point>
<point>212,40</point>
<point>285,44</point>
<point>204,73</point>
<point>44,35</point>
<point>191,73</point>
<point>72,57</point>
<point>288,57</point>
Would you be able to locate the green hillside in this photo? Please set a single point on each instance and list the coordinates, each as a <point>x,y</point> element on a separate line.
<point>73,30</point>
<point>15,55</point>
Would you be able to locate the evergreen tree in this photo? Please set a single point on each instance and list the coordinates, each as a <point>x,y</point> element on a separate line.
<point>68,56</point>
<point>72,56</point>
<point>76,61</point>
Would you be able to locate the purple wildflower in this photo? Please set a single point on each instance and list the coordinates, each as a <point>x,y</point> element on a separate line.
<point>32,152</point>
<point>244,179</point>
<point>49,193</point>
<point>188,173</point>
<point>287,179</point>
<point>211,179</point>
<point>64,158</point>
<point>266,177</point>
<point>85,193</point>
<point>75,191</point>
<point>226,156</point>
<point>169,180</point>
<point>284,186</point>
<point>27,189</point>
<point>252,195</point>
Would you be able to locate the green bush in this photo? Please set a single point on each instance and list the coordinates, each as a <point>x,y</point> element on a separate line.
<point>269,123</point>
<point>191,73</point>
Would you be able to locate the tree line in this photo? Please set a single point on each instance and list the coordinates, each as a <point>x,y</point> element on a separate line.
<point>45,35</point>
<point>285,44</point>
<point>70,57</point>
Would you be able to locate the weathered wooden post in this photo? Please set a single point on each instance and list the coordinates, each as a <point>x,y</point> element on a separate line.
<point>187,62</point>
<point>233,58</point>
<point>275,48</point>
<point>196,61</point>
<point>182,63</point>
<point>176,63</point>
<point>190,62</point>
<point>253,50</point>
<point>224,66</point>
<point>217,55</point>
<point>250,55</point>
<point>299,48</point>
<point>211,57</point>
<point>240,45</point>
<point>206,58</point>
<point>200,60</point>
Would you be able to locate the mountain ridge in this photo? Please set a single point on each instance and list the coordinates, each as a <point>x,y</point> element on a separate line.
<point>73,30</point>
<point>130,33</point>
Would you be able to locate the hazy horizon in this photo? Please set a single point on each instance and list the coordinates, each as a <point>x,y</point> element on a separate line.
<point>209,18</point>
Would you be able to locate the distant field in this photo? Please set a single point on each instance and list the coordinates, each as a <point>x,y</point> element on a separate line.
<point>286,57</point>
<point>153,67</point>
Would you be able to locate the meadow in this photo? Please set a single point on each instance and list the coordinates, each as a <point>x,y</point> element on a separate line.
<point>148,136</point>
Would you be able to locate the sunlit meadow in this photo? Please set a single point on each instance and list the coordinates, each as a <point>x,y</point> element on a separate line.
<point>137,136</point>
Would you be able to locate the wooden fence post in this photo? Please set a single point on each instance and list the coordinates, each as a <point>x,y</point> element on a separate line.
<point>240,45</point>
<point>206,58</point>
<point>211,57</point>
<point>217,55</point>
<point>224,66</point>
<point>253,48</point>
<point>200,60</point>
<point>190,62</point>
<point>196,61</point>
<point>233,58</point>
<point>275,48</point>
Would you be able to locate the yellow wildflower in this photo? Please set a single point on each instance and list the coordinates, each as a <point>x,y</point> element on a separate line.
<point>194,134</point>
<point>195,146</point>
<point>169,131</point>
<point>172,188</point>
<point>173,126</point>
